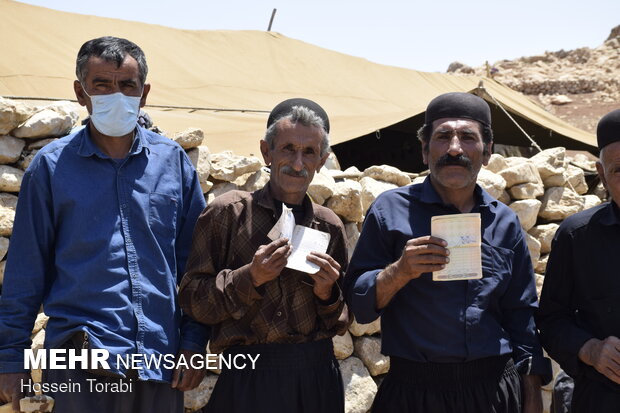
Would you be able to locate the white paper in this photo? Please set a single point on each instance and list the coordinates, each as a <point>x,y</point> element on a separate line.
<point>462,233</point>
<point>304,241</point>
<point>285,225</point>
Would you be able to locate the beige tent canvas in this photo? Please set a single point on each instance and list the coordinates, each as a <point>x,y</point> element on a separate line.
<point>226,82</point>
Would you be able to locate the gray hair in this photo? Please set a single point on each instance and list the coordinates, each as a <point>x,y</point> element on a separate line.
<point>110,49</point>
<point>306,117</point>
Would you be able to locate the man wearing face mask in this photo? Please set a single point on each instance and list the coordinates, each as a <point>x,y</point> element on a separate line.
<point>455,346</point>
<point>100,240</point>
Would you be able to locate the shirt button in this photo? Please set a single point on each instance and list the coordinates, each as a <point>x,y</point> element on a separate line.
<point>279,313</point>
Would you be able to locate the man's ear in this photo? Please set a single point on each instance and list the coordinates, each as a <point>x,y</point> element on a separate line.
<point>323,160</point>
<point>79,93</point>
<point>486,155</point>
<point>601,173</point>
<point>145,92</point>
<point>265,151</point>
<point>424,147</point>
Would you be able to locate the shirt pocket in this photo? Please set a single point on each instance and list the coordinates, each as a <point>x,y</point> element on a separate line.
<point>600,316</point>
<point>496,274</point>
<point>163,214</point>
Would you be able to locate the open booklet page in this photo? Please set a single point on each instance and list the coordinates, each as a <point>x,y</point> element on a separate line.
<point>303,240</point>
<point>462,233</point>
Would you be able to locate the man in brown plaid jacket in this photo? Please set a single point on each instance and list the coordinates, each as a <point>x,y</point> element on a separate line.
<point>236,279</point>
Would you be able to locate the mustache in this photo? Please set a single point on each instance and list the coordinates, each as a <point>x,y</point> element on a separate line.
<point>286,169</point>
<point>449,160</point>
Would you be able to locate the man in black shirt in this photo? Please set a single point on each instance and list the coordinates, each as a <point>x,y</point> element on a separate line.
<point>579,315</point>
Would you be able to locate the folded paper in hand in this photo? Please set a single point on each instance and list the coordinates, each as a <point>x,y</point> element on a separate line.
<point>303,240</point>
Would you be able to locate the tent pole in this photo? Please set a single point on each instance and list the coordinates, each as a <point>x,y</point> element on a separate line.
<point>483,90</point>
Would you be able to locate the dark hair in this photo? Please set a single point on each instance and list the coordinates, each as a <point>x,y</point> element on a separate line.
<point>424,134</point>
<point>110,49</point>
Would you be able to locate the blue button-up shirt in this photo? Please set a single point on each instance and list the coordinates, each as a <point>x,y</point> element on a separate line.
<point>452,321</point>
<point>102,244</point>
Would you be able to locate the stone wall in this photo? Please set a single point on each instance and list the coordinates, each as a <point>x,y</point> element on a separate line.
<point>542,190</point>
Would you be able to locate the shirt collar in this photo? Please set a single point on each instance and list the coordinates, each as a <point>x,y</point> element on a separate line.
<point>429,195</point>
<point>611,215</point>
<point>89,148</point>
<point>265,199</point>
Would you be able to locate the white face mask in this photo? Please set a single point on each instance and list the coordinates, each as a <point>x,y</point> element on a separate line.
<point>114,114</point>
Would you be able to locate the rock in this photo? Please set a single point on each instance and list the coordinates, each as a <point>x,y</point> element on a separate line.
<point>189,138</point>
<point>496,163</point>
<point>534,246</point>
<point>505,197</point>
<point>491,182</point>
<point>387,173</point>
<point>539,283</point>
<point>541,265</point>
<point>257,180</point>
<point>39,143</point>
<point>358,329</point>
<point>560,202</point>
<point>12,114</point>
<point>582,161</point>
<point>544,233</point>
<point>459,67</point>
<point>353,234</point>
<point>10,149</point>
<point>514,160</point>
<point>560,100</point>
<point>10,178</point>
<point>520,173</point>
<point>418,180</point>
<point>4,247</point>
<point>332,162</point>
<point>201,158</point>
<point>359,388</point>
<point>44,124</point>
<point>322,187</point>
<point>225,166</point>
<point>591,201</point>
<point>346,201</point>
<point>40,323</point>
<point>24,163</point>
<point>527,211</point>
<point>368,349</point>
<point>576,179</point>
<point>371,189</point>
<point>66,108</point>
<point>2,267</point>
<point>8,203</point>
<point>343,346</point>
<point>555,180</point>
<point>221,188</point>
<point>528,190</point>
<point>38,340</point>
<point>197,398</point>
<point>600,191</point>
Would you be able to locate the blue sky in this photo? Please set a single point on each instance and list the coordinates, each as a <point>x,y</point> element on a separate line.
<point>421,35</point>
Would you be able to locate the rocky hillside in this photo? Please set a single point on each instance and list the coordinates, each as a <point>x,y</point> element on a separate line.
<point>577,85</point>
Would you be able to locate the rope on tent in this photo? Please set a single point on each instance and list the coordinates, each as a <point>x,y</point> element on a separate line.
<point>482,89</point>
<point>190,108</point>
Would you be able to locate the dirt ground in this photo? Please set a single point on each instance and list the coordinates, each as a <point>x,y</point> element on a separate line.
<point>584,111</point>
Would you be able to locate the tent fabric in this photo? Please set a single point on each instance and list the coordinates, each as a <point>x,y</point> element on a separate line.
<point>232,79</point>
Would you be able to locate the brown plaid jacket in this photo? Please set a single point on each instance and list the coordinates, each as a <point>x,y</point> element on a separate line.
<point>217,288</point>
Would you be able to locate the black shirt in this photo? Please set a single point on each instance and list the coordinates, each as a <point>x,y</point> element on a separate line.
<point>581,295</point>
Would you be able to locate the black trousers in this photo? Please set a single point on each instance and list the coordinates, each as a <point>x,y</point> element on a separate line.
<point>591,396</point>
<point>490,385</point>
<point>289,378</point>
<point>96,394</point>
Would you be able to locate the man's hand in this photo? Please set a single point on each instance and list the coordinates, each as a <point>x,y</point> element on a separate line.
<point>11,388</point>
<point>269,261</point>
<point>604,356</point>
<point>420,255</point>
<point>327,275</point>
<point>532,397</point>
<point>185,379</point>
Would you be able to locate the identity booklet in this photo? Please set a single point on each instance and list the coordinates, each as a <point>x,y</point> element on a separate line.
<point>462,233</point>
